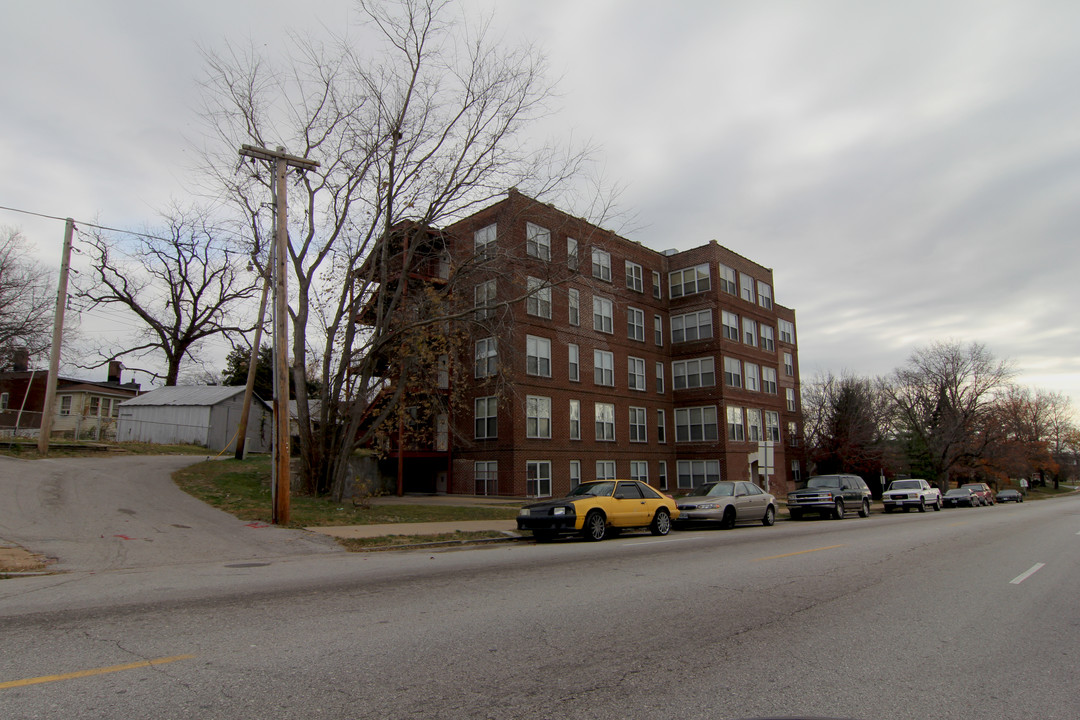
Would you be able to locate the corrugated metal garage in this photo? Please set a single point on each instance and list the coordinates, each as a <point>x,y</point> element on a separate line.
<point>208,416</point>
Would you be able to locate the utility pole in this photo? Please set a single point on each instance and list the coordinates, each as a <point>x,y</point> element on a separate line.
<point>249,387</point>
<point>58,332</point>
<point>282,161</point>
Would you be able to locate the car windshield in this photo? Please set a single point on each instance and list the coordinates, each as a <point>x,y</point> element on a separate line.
<point>972,487</point>
<point>958,491</point>
<point>717,489</point>
<point>596,489</point>
<point>905,485</point>
<point>823,482</point>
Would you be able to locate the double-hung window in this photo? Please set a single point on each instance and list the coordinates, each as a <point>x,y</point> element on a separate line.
<point>538,417</point>
<point>638,432</point>
<point>691,326</point>
<point>656,291</point>
<point>538,302</point>
<point>487,357</point>
<point>789,364</point>
<point>772,426</point>
<point>486,416</point>
<point>601,264</point>
<point>634,277</point>
<point>689,281</point>
<point>603,315</point>
<point>735,430</point>
<point>484,300</point>
<point>746,287</point>
<point>789,399</point>
<point>573,302</point>
<point>575,419</point>
<point>660,378</point>
<point>749,327</point>
<point>605,469</point>
<point>732,372</point>
<point>753,425</point>
<point>768,341</point>
<point>604,367</point>
<point>484,241</point>
<point>661,426</point>
<point>689,374</point>
<point>605,421</point>
<point>695,424</point>
<point>753,376</point>
<point>787,331</point>
<point>571,253</point>
<point>573,362</point>
<point>694,473</point>
<point>635,324</point>
<point>538,478</point>
<point>727,280</point>
<point>538,241</point>
<point>636,373</point>
<point>730,321</point>
<point>639,470</point>
<point>768,380</point>
<point>658,330</point>
<point>538,356</point>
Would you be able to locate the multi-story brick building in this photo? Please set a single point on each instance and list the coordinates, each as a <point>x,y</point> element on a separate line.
<point>590,356</point>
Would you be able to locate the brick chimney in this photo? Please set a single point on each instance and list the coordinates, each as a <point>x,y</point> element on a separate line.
<point>115,367</point>
<point>20,362</point>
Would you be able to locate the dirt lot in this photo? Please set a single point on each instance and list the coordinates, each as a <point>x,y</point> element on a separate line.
<point>15,559</point>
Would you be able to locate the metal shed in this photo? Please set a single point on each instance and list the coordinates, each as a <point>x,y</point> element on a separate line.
<point>205,415</point>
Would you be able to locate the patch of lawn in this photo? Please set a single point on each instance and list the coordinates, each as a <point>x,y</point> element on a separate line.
<point>242,488</point>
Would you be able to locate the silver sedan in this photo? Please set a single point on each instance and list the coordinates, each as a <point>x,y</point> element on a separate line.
<point>726,503</point>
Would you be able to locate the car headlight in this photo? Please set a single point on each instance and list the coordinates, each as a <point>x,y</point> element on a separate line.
<point>558,511</point>
<point>523,511</point>
<point>708,506</point>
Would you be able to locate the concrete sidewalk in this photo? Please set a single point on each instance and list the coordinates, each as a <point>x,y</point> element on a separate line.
<point>424,528</point>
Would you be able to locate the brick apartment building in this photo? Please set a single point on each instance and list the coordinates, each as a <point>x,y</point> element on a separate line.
<point>589,356</point>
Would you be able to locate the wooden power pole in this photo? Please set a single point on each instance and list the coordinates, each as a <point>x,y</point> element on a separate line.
<point>281,163</point>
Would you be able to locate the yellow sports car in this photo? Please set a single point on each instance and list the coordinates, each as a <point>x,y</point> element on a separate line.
<point>593,507</point>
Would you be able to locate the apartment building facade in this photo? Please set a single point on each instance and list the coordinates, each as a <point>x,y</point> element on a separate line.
<point>590,356</point>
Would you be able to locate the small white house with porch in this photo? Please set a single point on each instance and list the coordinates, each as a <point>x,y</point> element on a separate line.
<point>204,415</point>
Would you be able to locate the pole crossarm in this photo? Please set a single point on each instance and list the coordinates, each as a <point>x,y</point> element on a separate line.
<point>261,153</point>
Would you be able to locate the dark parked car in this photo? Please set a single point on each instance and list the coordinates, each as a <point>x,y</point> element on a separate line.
<point>1009,496</point>
<point>830,495</point>
<point>982,491</point>
<point>960,496</point>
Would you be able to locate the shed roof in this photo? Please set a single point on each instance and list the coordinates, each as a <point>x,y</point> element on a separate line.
<point>188,395</point>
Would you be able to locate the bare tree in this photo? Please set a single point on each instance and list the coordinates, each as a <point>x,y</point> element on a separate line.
<point>943,402</point>
<point>184,283</point>
<point>27,299</point>
<point>1040,428</point>
<point>422,131</point>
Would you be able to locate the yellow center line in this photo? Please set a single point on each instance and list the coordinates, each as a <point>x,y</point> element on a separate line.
<point>800,552</point>
<point>957,524</point>
<point>95,671</point>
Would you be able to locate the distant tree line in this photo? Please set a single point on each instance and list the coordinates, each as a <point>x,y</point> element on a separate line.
<point>951,414</point>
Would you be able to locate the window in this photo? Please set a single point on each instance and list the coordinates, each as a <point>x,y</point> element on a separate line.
<point>575,473</point>
<point>605,421</point>
<point>537,241</point>
<point>635,368</point>
<point>768,341</point>
<point>789,396</point>
<point>727,280</point>
<point>753,376</point>
<point>603,315</point>
<point>735,424</point>
<point>753,425</point>
<point>661,477</point>
<point>661,426</point>
<point>538,356</point>
<point>732,372</point>
<point>574,357</point>
<point>604,368</point>
<point>768,380</point>
<point>538,478</point>
<point>484,300</point>
<point>693,473</point>
<point>792,434</point>
<point>605,469</point>
<point>4,400</point>
<point>486,476</point>
<point>689,281</point>
<point>487,357</point>
<point>689,374</point>
<point>749,327</point>
<point>575,419</point>
<point>660,377</point>
<point>95,407</point>
<point>637,425</point>
<point>634,278</point>
<point>796,471</point>
<point>658,330</point>
<point>601,265</point>
<point>772,426</point>
<point>656,291</point>
<point>538,417</point>
<point>635,324</point>
<point>695,424</point>
<point>787,331</point>
<point>65,404</point>
<point>691,326</point>
<point>573,302</point>
<point>789,365</point>
<point>486,418</point>
<point>116,407</point>
<point>746,287</point>
<point>730,322</point>
<point>764,295</point>
<point>571,253</point>
<point>484,241</point>
<point>538,302</point>
<point>639,470</point>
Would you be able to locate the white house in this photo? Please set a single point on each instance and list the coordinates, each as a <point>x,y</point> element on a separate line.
<point>208,416</point>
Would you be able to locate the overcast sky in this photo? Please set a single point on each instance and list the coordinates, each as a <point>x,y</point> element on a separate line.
<point>910,170</point>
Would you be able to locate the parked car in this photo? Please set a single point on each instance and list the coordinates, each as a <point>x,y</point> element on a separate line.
<point>593,507</point>
<point>961,496</point>
<point>909,494</point>
<point>830,495</point>
<point>726,503</point>
<point>982,491</point>
<point>1009,496</point>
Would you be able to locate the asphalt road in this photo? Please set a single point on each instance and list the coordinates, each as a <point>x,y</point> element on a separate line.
<point>966,613</point>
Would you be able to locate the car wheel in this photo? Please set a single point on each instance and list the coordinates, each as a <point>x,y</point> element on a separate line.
<point>595,526</point>
<point>728,521</point>
<point>770,517</point>
<point>795,514</point>
<point>838,511</point>
<point>543,535</point>
<point>922,505</point>
<point>864,511</point>
<point>661,524</point>
<point>937,505</point>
